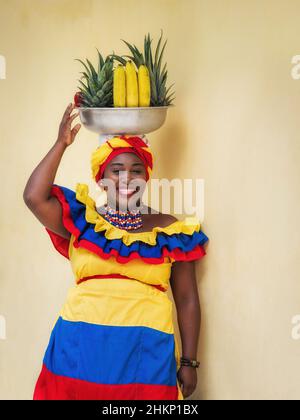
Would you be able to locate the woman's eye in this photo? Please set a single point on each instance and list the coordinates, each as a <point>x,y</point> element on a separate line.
<point>116,171</point>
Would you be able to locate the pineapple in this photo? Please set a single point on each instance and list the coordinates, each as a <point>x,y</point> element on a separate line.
<point>158,77</point>
<point>97,88</point>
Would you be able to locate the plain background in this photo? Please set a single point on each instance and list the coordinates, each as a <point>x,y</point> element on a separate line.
<point>235,124</point>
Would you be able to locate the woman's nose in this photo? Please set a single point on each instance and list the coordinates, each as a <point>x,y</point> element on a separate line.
<point>124,178</point>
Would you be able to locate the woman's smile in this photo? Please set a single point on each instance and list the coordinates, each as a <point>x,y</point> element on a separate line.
<point>126,192</point>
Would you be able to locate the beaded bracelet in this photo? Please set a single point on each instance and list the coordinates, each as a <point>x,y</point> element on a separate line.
<point>189,362</point>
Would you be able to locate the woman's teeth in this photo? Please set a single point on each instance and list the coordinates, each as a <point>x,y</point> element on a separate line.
<point>126,192</point>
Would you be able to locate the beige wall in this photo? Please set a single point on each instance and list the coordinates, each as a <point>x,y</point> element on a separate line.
<point>236,124</point>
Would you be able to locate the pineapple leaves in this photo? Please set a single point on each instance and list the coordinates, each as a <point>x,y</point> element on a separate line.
<point>93,71</point>
<point>150,52</point>
<point>169,87</point>
<point>157,49</point>
<point>147,46</point>
<point>153,62</point>
<point>120,59</point>
<point>87,69</point>
<point>100,61</point>
<point>133,49</point>
<point>160,57</point>
<point>85,75</point>
<point>97,89</point>
<point>96,86</point>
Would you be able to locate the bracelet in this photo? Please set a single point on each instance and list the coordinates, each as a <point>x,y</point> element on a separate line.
<point>189,362</point>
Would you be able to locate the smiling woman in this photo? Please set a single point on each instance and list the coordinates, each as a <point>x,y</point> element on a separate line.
<point>125,182</point>
<point>114,336</point>
<point>122,166</point>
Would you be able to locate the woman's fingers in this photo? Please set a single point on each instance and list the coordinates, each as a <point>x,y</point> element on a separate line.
<point>70,119</point>
<point>75,131</point>
<point>67,112</point>
<point>77,126</point>
<point>65,125</point>
<point>73,116</point>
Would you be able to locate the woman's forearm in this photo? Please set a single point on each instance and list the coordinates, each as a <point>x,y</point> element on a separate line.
<point>189,321</point>
<point>186,298</point>
<point>39,184</point>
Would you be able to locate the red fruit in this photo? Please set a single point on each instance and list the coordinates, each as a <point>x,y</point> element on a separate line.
<point>77,98</point>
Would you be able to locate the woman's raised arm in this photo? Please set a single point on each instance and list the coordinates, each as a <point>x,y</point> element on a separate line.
<point>37,191</point>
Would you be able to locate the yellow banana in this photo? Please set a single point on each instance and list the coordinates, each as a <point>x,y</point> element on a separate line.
<point>144,86</point>
<point>119,86</point>
<point>132,94</point>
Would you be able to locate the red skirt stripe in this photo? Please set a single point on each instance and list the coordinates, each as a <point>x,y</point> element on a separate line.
<point>54,387</point>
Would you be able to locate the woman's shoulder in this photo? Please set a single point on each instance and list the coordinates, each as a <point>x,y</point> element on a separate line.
<point>166,220</point>
<point>155,218</point>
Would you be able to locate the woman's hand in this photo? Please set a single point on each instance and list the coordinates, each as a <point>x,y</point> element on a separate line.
<point>66,135</point>
<point>187,377</point>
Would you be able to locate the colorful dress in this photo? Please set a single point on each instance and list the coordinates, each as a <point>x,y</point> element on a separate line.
<point>114,336</point>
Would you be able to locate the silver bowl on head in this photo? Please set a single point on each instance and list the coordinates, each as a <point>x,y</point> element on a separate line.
<point>126,120</point>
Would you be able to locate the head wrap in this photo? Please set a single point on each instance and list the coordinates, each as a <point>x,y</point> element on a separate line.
<point>121,144</point>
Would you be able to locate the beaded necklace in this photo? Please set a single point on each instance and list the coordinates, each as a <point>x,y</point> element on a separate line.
<point>128,220</point>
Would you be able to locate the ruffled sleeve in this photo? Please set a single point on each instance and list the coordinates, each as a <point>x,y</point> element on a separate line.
<point>188,245</point>
<point>65,196</point>
<point>180,241</point>
<point>60,244</point>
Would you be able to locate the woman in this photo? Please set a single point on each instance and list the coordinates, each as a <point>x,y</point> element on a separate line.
<point>114,336</point>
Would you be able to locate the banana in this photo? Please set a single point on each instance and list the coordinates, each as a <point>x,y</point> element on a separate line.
<point>119,86</point>
<point>132,94</point>
<point>144,86</point>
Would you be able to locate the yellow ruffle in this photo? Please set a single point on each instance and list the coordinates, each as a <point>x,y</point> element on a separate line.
<point>188,226</point>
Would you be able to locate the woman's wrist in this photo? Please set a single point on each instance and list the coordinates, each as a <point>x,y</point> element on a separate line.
<point>60,144</point>
<point>191,362</point>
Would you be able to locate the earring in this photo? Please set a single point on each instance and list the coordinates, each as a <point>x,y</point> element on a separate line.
<point>102,186</point>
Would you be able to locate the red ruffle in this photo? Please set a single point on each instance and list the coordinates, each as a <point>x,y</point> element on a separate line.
<point>61,244</point>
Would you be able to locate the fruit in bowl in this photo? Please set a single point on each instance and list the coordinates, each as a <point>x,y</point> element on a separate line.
<point>137,80</point>
<point>129,98</point>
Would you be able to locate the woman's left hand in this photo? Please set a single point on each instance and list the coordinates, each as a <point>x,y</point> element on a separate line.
<point>187,377</point>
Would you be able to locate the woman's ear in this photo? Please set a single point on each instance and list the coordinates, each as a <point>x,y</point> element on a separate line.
<point>102,186</point>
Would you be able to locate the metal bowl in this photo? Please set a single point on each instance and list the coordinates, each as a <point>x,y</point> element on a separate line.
<point>127,120</point>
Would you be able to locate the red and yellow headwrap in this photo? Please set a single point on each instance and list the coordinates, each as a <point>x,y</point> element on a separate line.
<point>120,144</point>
